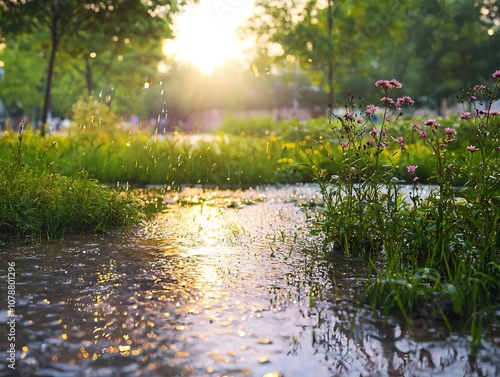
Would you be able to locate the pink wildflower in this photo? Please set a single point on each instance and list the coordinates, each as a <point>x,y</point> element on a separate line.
<point>465,115</point>
<point>473,98</point>
<point>388,84</point>
<point>344,145</point>
<point>400,140</point>
<point>395,83</point>
<point>349,116</point>
<point>472,148</point>
<point>387,100</point>
<point>374,132</point>
<point>412,168</point>
<point>359,121</point>
<point>402,100</point>
<point>370,109</point>
<point>479,87</point>
<point>432,122</point>
<point>449,131</point>
<point>496,74</point>
<point>415,179</point>
<point>422,134</point>
<point>415,126</point>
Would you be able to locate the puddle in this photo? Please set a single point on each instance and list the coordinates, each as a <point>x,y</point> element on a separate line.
<point>221,283</point>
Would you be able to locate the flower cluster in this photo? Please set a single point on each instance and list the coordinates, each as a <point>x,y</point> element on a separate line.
<point>432,122</point>
<point>434,125</point>
<point>480,122</point>
<point>371,109</point>
<point>388,84</point>
<point>402,100</point>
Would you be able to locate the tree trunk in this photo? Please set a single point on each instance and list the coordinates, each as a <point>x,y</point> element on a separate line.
<point>50,74</point>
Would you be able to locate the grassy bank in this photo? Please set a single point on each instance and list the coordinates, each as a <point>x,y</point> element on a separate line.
<point>36,203</point>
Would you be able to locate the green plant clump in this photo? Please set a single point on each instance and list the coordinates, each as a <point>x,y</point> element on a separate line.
<point>435,250</point>
<point>35,204</point>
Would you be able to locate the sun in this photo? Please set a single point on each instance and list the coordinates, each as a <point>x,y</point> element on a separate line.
<point>206,34</point>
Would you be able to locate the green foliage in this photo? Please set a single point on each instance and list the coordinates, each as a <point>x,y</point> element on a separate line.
<point>92,118</point>
<point>75,30</point>
<point>435,47</point>
<point>434,253</point>
<point>36,204</point>
<point>166,160</point>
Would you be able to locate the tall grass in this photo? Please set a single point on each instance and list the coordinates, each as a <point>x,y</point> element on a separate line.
<point>244,151</point>
<point>433,255</point>
<point>37,203</point>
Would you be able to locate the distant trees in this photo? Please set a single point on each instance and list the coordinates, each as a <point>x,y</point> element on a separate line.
<point>454,47</point>
<point>81,30</point>
<point>434,47</point>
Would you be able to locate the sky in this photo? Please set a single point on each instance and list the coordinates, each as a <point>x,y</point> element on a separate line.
<point>206,33</point>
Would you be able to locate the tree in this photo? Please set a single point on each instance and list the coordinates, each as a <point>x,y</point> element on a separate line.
<point>86,24</point>
<point>456,47</point>
<point>433,47</point>
<point>24,75</point>
<point>331,40</point>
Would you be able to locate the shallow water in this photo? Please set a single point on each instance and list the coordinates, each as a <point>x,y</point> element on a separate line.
<point>221,283</point>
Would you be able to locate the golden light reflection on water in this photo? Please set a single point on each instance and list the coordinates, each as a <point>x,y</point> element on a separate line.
<point>107,272</point>
<point>208,224</point>
<point>199,272</point>
<point>188,295</point>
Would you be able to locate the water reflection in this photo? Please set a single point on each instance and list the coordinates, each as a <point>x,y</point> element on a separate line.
<point>217,284</point>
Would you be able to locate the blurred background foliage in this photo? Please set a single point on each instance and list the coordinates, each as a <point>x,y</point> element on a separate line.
<point>306,53</point>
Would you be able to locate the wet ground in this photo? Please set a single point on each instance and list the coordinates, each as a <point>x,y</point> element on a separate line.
<point>221,283</point>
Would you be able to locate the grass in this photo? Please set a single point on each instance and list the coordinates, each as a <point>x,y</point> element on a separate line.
<point>433,255</point>
<point>37,203</point>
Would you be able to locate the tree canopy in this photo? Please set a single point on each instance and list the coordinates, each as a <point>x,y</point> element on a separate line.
<point>434,47</point>
<point>80,30</point>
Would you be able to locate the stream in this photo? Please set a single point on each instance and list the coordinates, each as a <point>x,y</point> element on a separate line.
<point>218,283</point>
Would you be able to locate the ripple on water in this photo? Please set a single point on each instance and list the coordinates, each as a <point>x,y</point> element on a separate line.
<point>212,289</point>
